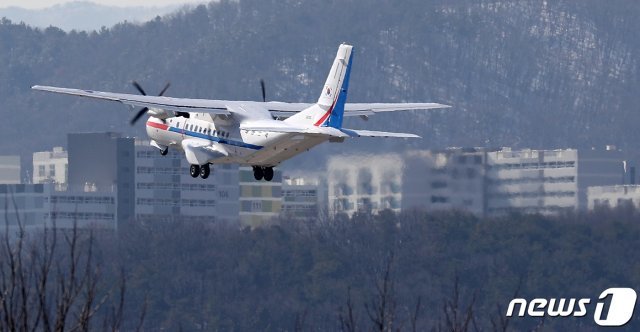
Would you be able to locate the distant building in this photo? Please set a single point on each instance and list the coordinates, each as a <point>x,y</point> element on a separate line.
<point>444,180</point>
<point>51,166</point>
<point>81,207</point>
<point>531,181</point>
<point>302,198</point>
<point>431,180</point>
<point>365,183</point>
<point>164,190</point>
<point>104,162</point>
<point>35,206</point>
<point>10,170</point>
<point>613,196</point>
<point>22,204</point>
<point>260,201</point>
<point>602,167</point>
<point>477,180</point>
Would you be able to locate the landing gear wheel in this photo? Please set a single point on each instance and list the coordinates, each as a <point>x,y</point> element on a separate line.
<point>194,171</point>
<point>205,171</point>
<point>258,173</point>
<point>268,173</point>
<point>164,152</point>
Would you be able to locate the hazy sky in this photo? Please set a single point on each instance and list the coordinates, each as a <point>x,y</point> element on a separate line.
<point>123,3</point>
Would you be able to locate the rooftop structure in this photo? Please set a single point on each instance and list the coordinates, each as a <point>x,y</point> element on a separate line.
<point>51,167</point>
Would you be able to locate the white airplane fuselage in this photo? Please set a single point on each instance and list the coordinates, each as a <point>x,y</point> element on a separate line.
<point>244,147</point>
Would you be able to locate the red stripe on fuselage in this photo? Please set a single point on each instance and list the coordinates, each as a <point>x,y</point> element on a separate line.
<point>157,125</point>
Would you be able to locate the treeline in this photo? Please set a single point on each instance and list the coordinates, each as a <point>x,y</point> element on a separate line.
<point>518,73</point>
<point>412,271</point>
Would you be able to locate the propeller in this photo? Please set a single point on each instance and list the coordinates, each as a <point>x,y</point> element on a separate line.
<point>264,90</point>
<point>144,110</point>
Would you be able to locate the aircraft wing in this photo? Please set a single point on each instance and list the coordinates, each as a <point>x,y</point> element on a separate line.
<point>276,108</point>
<point>165,103</point>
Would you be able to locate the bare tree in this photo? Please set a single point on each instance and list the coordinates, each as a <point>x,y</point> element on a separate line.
<point>347,315</point>
<point>50,281</point>
<point>382,309</point>
<point>457,318</point>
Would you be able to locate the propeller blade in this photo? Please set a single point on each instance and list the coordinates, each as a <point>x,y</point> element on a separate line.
<point>264,90</point>
<point>139,115</point>
<point>140,89</point>
<point>164,89</point>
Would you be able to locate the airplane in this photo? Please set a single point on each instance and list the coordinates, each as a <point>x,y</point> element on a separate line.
<point>258,134</point>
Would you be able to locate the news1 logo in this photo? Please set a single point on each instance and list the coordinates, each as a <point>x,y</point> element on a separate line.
<point>614,307</point>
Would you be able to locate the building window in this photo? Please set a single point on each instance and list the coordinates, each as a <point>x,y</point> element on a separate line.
<point>439,199</point>
<point>41,170</point>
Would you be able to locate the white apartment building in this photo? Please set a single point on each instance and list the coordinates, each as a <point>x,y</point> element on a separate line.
<point>165,191</point>
<point>531,181</point>
<point>613,196</point>
<point>51,166</point>
<point>364,183</point>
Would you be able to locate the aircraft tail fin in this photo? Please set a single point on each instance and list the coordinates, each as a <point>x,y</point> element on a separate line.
<point>329,110</point>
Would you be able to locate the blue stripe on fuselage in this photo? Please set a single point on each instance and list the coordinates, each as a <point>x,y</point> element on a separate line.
<point>215,139</point>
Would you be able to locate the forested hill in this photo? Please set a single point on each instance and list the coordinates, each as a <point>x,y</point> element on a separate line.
<point>83,15</point>
<point>518,73</point>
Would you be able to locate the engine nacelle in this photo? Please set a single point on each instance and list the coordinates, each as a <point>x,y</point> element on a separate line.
<point>160,113</point>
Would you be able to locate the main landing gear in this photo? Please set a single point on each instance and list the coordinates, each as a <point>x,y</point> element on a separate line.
<point>265,173</point>
<point>202,171</point>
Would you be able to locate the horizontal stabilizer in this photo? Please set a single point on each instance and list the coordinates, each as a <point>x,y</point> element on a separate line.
<point>277,129</point>
<point>283,127</point>
<point>371,133</point>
